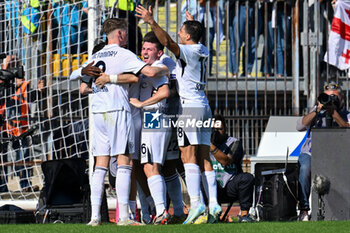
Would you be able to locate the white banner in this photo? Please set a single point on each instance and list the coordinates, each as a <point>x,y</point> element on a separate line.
<point>339,37</point>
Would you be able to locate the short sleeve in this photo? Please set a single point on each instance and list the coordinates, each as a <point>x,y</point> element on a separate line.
<point>133,63</point>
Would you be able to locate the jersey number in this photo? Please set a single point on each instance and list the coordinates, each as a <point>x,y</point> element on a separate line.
<point>101,65</point>
<point>173,146</point>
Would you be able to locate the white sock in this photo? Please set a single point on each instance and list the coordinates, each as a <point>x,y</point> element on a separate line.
<point>173,187</point>
<point>96,186</point>
<point>144,204</point>
<point>122,185</point>
<point>157,188</point>
<point>132,207</point>
<point>193,179</point>
<point>209,183</point>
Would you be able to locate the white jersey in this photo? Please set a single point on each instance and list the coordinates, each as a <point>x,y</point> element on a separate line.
<point>113,59</point>
<point>173,101</point>
<point>168,62</point>
<point>190,73</point>
<point>150,85</point>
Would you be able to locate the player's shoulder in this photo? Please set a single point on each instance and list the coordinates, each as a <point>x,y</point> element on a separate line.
<point>107,51</point>
<point>201,50</point>
<point>167,61</point>
<point>116,48</point>
<point>196,49</point>
<point>158,63</point>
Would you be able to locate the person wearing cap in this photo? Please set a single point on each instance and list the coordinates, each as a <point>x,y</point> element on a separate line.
<point>329,111</point>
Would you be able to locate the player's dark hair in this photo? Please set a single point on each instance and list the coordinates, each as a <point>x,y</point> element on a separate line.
<point>152,38</point>
<point>99,44</point>
<point>195,29</point>
<point>113,24</point>
<point>219,117</point>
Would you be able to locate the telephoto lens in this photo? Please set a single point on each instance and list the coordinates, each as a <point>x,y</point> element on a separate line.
<point>324,98</point>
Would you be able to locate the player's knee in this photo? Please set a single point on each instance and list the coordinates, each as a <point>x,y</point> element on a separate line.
<point>188,156</point>
<point>102,161</point>
<point>151,169</point>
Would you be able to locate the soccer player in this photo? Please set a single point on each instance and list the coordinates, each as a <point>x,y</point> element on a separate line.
<point>194,142</point>
<point>88,73</point>
<point>114,130</point>
<point>154,143</point>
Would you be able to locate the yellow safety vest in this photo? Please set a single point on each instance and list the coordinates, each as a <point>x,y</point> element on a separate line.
<point>122,4</point>
<point>30,16</point>
<point>35,3</point>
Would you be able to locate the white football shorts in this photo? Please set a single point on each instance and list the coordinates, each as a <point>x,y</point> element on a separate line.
<point>114,133</point>
<point>194,126</point>
<point>154,145</point>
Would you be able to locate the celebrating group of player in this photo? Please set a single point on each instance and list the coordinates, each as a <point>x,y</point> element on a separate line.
<point>125,90</point>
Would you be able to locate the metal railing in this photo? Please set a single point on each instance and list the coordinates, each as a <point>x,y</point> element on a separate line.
<point>282,77</point>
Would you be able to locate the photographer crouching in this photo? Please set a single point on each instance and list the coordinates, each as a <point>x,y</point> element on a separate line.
<point>226,155</point>
<point>328,112</point>
<point>14,112</point>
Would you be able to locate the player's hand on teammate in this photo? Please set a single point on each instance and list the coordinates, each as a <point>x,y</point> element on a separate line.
<point>102,80</point>
<point>137,103</point>
<point>91,70</point>
<point>189,17</point>
<point>144,14</point>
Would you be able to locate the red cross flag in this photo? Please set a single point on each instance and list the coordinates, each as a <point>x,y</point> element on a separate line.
<point>339,37</point>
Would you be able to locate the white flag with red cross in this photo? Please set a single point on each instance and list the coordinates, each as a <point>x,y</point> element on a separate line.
<point>339,37</point>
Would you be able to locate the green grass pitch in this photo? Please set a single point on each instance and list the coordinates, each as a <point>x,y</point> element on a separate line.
<point>260,227</point>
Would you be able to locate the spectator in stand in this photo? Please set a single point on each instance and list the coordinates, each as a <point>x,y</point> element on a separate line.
<point>126,9</point>
<point>191,7</point>
<point>66,19</point>
<point>239,21</point>
<point>281,27</point>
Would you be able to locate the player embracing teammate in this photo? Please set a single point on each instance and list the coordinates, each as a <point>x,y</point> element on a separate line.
<point>193,142</point>
<point>113,125</point>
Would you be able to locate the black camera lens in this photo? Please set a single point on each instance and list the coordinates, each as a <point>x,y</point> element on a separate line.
<point>329,100</point>
<point>323,98</point>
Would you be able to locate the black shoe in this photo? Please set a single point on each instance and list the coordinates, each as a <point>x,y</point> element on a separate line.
<point>245,218</point>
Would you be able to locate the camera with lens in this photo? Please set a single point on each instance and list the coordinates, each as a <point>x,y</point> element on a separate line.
<point>329,100</point>
<point>7,76</point>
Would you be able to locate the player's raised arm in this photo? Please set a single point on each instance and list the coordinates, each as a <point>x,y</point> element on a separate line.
<point>162,35</point>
